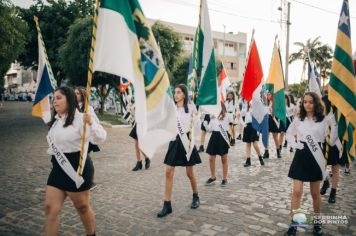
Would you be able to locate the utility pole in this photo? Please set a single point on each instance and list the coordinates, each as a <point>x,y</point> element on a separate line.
<point>224,42</point>
<point>287,45</point>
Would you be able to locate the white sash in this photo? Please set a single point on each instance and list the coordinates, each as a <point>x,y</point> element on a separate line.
<point>65,164</point>
<point>315,150</point>
<point>223,133</point>
<point>187,144</point>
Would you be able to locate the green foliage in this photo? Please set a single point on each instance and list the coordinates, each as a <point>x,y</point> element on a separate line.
<point>55,18</point>
<point>297,90</point>
<point>74,53</point>
<point>171,45</point>
<point>180,75</point>
<point>13,32</point>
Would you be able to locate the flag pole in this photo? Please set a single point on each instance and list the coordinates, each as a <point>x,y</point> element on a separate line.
<point>90,76</point>
<point>248,56</point>
<point>50,72</point>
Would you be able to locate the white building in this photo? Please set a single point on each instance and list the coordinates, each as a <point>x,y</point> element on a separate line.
<point>18,79</point>
<point>233,54</point>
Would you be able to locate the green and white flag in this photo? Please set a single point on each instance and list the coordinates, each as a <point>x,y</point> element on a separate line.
<point>125,46</point>
<point>208,93</point>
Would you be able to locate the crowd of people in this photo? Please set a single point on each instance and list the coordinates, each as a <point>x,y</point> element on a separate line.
<point>310,131</point>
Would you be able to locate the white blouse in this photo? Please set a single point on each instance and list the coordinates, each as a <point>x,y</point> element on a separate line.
<point>290,110</point>
<point>68,139</point>
<point>214,124</point>
<point>318,129</point>
<point>230,106</point>
<point>248,117</point>
<point>184,118</point>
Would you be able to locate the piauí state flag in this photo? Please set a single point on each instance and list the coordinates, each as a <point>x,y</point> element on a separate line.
<point>342,85</point>
<point>223,82</point>
<point>313,80</point>
<point>45,84</point>
<point>208,93</point>
<point>275,84</point>
<point>252,90</point>
<point>125,46</point>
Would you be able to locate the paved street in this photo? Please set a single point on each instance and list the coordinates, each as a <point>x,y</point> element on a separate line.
<point>255,202</point>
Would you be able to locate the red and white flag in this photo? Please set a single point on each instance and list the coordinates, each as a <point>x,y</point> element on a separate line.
<point>223,83</point>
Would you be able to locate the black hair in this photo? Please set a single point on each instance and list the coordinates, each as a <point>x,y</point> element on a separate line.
<point>327,104</point>
<point>291,99</point>
<point>318,107</point>
<point>184,89</point>
<point>233,96</point>
<point>288,100</point>
<point>83,96</point>
<point>72,106</point>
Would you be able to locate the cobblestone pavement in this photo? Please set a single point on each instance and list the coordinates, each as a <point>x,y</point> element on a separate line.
<point>255,202</point>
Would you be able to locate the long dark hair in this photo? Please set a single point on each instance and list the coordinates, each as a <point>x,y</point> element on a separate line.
<point>186,98</point>
<point>327,104</point>
<point>288,100</point>
<point>72,106</point>
<point>83,96</point>
<point>318,107</point>
<point>222,112</point>
<point>233,96</point>
<point>291,99</point>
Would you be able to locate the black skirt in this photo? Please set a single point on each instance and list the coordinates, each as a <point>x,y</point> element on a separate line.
<point>93,148</point>
<point>217,144</point>
<point>176,155</point>
<point>272,126</point>
<point>59,179</point>
<point>250,134</point>
<point>333,156</point>
<point>304,167</point>
<point>133,133</point>
<point>206,118</point>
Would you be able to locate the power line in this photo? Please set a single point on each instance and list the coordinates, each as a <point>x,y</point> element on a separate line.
<point>318,8</point>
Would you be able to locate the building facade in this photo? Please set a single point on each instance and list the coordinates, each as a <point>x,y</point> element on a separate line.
<point>230,48</point>
<point>18,79</point>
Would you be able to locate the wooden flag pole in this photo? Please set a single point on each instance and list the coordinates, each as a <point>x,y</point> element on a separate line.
<point>51,76</point>
<point>90,76</point>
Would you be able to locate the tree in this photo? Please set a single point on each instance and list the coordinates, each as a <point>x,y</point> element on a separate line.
<point>171,45</point>
<point>13,32</point>
<point>55,17</point>
<point>319,53</point>
<point>297,90</point>
<point>180,75</point>
<point>74,53</point>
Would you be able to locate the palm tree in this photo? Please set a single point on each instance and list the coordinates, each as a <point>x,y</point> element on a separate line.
<point>320,53</point>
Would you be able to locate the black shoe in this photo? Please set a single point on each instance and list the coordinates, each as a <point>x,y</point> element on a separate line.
<point>196,202</point>
<point>232,142</point>
<point>248,162</point>
<point>261,160</point>
<point>332,197</point>
<point>279,153</point>
<point>266,154</point>
<point>292,231</point>
<point>239,137</point>
<point>347,171</point>
<point>210,181</point>
<point>201,148</point>
<point>325,187</point>
<point>138,166</point>
<point>167,209</point>
<point>223,183</point>
<point>147,163</point>
<point>291,150</point>
<point>285,144</point>
<point>317,231</point>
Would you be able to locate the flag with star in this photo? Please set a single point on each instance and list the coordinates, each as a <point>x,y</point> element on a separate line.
<point>342,85</point>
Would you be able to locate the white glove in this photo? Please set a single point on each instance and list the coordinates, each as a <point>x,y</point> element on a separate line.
<point>297,145</point>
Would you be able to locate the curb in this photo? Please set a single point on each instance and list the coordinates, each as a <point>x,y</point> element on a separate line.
<point>108,125</point>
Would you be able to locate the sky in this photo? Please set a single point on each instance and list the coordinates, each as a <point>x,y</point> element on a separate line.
<point>309,19</point>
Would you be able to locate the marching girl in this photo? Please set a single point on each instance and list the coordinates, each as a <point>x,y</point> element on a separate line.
<point>273,125</point>
<point>231,109</point>
<point>251,136</point>
<point>178,149</point>
<point>218,144</point>
<point>138,166</point>
<point>64,139</point>
<point>333,157</point>
<point>306,134</point>
<point>290,108</point>
<point>80,95</point>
